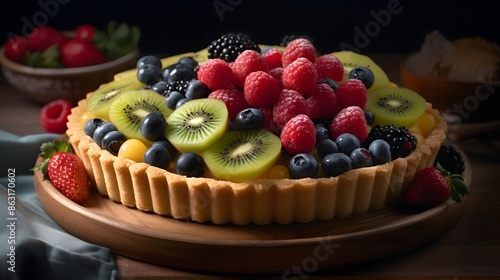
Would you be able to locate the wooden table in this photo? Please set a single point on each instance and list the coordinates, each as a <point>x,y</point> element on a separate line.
<point>469,250</point>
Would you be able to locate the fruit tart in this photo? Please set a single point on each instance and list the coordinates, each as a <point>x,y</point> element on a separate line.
<point>249,133</point>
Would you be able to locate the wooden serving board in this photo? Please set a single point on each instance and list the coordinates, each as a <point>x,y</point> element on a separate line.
<point>248,249</point>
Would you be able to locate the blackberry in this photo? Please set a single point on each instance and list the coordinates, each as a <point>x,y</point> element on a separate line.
<point>450,159</point>
<point>179,86</point>
<point>400,139</point>
<point>288,38</point>
<point>230,45</point>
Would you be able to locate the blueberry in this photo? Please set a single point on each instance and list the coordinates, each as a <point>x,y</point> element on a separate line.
<point>322,133</point>
<point>160,87</point>
<point>165,143</point>
<point>153,126</point>
<point>181,102</point>
<point>302,166</point>
<point>190,164</point>
<point>102,130</point>
<point>327,146</point>
<point>330,82</point>
<point>91,125</point>
<point>381,151</point>
<point>248,119</point>
<point>157,155</point>
<point>172,98</point>
<point>369,116</point>
<point>347,142</point>
<point>361,157</point>
<point>181,72</point>
<point>196,89</point>
<point>148,74</point>
<point>188,61</point>
<point>364,74</point>
<point>336,164</point>
<point>166,72</point>
<point>148,59</point>
<point>112,141</point>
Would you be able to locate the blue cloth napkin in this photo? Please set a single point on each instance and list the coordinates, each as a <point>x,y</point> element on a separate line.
<point>32,245</point>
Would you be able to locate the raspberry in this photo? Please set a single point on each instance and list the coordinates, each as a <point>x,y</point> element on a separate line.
<point>268,119</point>
<point>54,115</point>
<point>247,62</point>
<point>234,99</point>
<point>261,89</point>
<point>300,47</point>
<point>329,66</point>
<point>277,73</point>
<point>300,75</point>
<point>298,135</point>
<point>352,93</point>
<point>323,102</point>
<point>289,104</point>
<point>216,74</point>
<point>273,58</point>
<point>350,120</point>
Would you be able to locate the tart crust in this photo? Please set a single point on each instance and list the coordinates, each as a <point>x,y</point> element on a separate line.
<point>261,202</point>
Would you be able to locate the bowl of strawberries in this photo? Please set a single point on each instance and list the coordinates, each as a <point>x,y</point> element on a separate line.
<point>50,64</point>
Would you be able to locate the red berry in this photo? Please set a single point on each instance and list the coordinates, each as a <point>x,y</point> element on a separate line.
<point>428,188</point>
<point>85,32</point>
<point>352,93</point>
<point>323,102</point>
<point>289,104</point>
<point>216,74</point>
<point>233,98</point>
<point>54,115</point>
<point>16,48</point>
<point>43,37</point>
<point>329,66</point>
<point>277,73</point>
<point>261,89</point>
<point>298,135</point>
<point>247,62</point>
<point>273,58</point>
<point>268,120</point>
<point>298,48</point>
<point>350,120</point>
<point>79,53</point>
<point>300,75</point>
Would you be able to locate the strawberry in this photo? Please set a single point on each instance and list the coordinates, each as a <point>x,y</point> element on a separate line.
<point>16,48</point>
<point>78,53</point>
<point>432,186</point>
<point>64,169</point>
<point>54,115</point>
<point>85,32</point>
<point>43,37</point>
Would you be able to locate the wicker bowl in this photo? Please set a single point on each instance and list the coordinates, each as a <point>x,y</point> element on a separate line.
<point>42,85</point>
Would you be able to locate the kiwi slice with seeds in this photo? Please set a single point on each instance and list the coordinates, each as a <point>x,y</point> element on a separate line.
<point>242,155</point>
<point>128,111</point>
<point>395,105</point>
<point>197,124</point>
<point>100,101</point>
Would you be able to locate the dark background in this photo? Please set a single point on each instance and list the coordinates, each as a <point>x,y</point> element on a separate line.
<point>170,27</point>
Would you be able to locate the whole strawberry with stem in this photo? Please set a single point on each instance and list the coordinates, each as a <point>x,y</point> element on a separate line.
<point>64,169</point>
<point>434,185</point>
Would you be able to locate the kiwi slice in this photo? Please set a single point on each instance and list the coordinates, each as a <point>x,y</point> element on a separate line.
<point>242,155</point>
<point>100,101</point>
<point>127,112</point>
<point>197,124</point>
<point>395,105</point>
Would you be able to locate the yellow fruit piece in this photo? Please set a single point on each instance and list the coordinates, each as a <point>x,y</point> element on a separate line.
<point>278,172</point>
<point>392,84</point>
<point>133,149</point>
<point>426,123</point>
<point>86,116</point>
